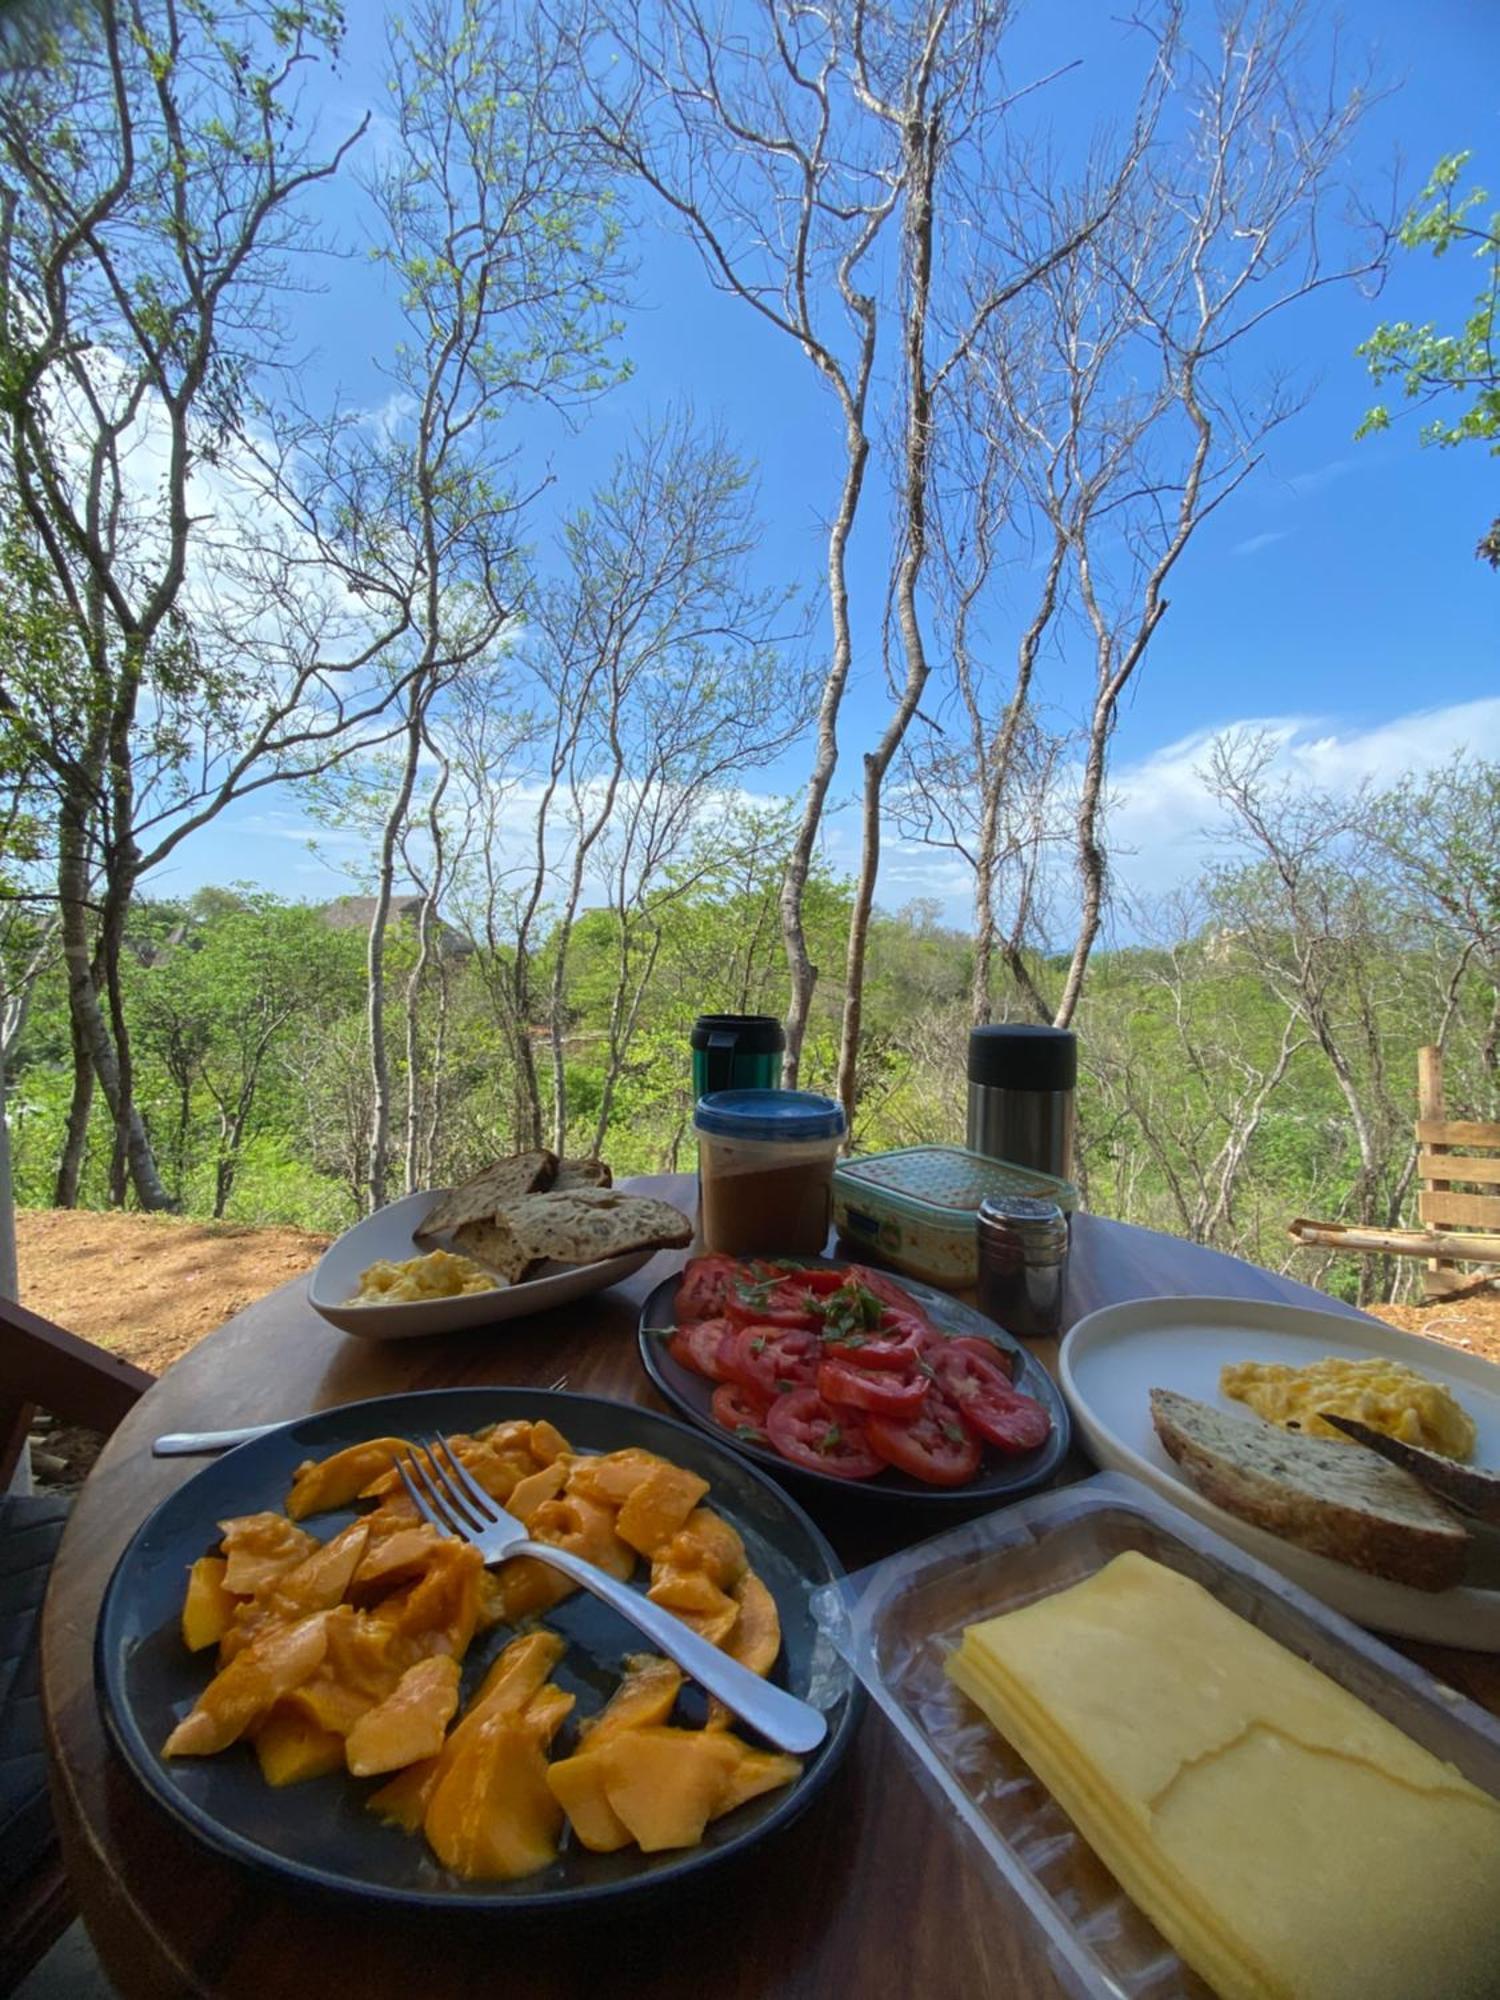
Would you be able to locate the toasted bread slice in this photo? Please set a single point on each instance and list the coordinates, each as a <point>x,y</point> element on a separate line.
<point>583,1227</point>
<point>1314,1492</point>
<point>500,1182</point>
<point>573,1174</point>
<point>1468,1487</point>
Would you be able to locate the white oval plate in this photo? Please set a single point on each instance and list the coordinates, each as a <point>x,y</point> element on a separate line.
<point>390,1233</point>
<point>1112,1359</point>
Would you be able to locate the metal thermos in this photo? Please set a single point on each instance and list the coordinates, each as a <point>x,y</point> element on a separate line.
<point>1021,1082</point>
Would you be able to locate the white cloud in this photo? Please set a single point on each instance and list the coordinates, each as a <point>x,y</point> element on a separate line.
<point>1258,542</point>
<point>1163,823</point>
<point>1321,476</point>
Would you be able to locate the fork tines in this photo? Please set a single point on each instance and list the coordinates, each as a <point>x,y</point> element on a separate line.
<point>443,1490</point>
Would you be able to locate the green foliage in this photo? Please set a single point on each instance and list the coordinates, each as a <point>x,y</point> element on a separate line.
<point>1459,368</point>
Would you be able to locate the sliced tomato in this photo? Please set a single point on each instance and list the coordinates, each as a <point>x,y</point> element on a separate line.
<point>877,1349</point>
<point>741,1414</point>
<point>987,1350</point>
<point>886,1290</point>
<point>932,1446</point>
<point>992,1407</point>
<point>816,1435</point>
<point>887,1392</point>
<point>819,1279</point>
<point>773,1302</point>
<point>701,1347</point>
<point>706,1283</point>
<point>770,1360</point>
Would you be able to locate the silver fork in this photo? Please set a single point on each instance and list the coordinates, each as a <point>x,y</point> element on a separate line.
<point>448,1496</point>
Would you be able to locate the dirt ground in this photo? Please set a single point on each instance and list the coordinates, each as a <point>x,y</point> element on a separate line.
<point>148,1286</point>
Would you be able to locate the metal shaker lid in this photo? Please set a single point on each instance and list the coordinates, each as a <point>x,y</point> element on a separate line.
<point>1015,1055</point>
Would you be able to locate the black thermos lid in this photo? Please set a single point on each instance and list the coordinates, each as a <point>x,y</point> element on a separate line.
<point>754,1034</point>
<point>1017,1056</point>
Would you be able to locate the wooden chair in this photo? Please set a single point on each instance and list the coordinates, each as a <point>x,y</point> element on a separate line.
<point>1458,1173</point>
<point>43,1367</point>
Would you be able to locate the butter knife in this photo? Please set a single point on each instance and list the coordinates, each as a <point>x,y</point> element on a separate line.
<point>204,1444</point>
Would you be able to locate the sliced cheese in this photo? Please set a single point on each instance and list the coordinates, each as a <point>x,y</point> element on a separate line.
<point>1285,1838</point>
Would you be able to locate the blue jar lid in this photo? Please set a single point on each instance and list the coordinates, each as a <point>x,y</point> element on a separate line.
<point>769,1114</point>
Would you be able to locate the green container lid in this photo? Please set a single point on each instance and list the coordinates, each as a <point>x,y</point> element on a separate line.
<point>942,1185</point>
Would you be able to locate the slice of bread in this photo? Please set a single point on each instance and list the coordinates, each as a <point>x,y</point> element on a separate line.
<point>1315,1492</point>
<point>1468,1487</point>
<point>581,1174</point>
<point>583,1227</point>
<point>500,1182</point>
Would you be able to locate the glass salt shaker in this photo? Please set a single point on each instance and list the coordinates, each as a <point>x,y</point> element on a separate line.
<point>1023,1264</point>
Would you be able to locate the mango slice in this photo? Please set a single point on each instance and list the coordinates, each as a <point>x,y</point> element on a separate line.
<point>246,1689</point>
<point>755,1639</point>
<point>664,1784</point>
<point>258,1549</point>
<point>658,1507</point>
<point>290,1747</point>
<point>208,1608</point>
<point>410,1723</point>
<point>491,1817</point>
<point>318,1485</point>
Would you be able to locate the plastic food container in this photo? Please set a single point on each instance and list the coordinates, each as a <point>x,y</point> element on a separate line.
<point>897,1622</point>
<point>917,1206</point>
<point>765,1166</point>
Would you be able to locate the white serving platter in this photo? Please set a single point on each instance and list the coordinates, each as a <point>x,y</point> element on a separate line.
<point>1112,1359</point>
<point>391,1233</point>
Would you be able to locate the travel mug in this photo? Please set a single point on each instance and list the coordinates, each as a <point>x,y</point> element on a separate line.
<point>1021,1082</point>
<point>736,1052</point>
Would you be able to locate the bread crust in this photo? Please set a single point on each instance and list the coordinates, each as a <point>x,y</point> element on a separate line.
<point>1381,1521</point>
<point>484,1193</point>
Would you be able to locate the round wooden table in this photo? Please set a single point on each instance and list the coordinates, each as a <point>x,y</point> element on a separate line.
<point>872,1892</point>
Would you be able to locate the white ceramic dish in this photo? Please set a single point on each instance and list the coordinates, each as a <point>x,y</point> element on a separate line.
<point>1112,1359</point>
<point>390,1233</point>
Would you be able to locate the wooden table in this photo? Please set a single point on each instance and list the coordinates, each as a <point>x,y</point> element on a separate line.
<point>872,1893</point>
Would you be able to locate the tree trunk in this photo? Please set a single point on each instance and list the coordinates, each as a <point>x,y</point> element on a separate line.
<point>378,1159</point>
<point>10,1283</point>
<point>921,165</point>
<point>803,974</point>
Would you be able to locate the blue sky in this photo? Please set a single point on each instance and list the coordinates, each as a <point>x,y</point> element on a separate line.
<point>1336,596</point>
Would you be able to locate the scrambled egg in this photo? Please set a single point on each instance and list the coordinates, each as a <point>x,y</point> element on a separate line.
<point>438,1275</point>
<point>1383,1394</point>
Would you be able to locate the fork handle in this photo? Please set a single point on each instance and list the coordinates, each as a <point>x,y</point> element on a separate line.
<point>782,1718</point>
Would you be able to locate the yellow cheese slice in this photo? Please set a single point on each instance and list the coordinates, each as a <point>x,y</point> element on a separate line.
<point>1289,1841</point>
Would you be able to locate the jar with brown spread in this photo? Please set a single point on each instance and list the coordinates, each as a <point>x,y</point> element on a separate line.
<point>765,1164</point>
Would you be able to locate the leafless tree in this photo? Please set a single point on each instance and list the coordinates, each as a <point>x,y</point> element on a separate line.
<point>151,188</point>
<point>658,676</point>
<point>1117,424</point>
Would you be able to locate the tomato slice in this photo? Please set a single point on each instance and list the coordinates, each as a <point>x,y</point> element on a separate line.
<point>706,1284</point>
<point>987,1401</point>
<point>932,1446</point>
<point>886,1290</point>
<point>887,1392</point>
<point>814,1434</point>
<point>819,1279</point>
<point>773,1302</point>
<point>701,1347</point>
<point>874,1350</point>
<point>742,1414</point>
<point>987,1350</point>
<point>770,1360</point>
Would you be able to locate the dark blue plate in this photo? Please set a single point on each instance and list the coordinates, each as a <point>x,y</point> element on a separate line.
<point>1000,1476</point>
<point>318,1833</point>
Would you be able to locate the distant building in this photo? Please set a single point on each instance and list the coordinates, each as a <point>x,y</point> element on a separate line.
<point>353,913</point>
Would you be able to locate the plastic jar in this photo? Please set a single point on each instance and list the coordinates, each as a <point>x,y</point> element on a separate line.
<point>765,1168</point>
